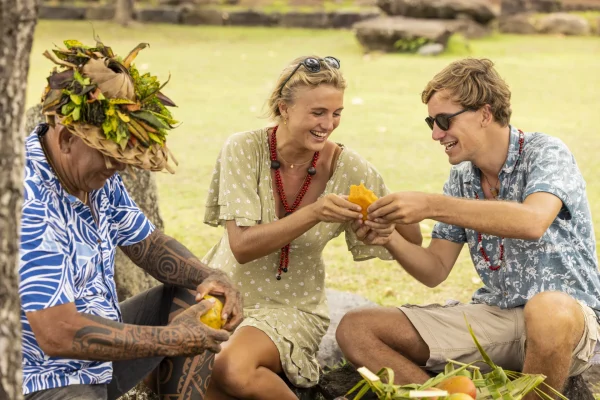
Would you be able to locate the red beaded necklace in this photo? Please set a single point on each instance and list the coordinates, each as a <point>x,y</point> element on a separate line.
<point>479,236</point>
<point>284,258</point>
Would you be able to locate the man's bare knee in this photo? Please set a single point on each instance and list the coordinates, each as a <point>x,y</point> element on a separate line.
<point>557,313</point>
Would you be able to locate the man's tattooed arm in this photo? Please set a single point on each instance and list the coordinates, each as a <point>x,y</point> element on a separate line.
<point>167,260</point>
<point>109,340</point>
<point>61,331</point>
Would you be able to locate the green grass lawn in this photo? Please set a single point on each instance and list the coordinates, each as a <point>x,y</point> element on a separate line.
<point>222,76</point>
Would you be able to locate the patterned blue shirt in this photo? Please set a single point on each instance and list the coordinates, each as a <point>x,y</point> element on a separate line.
<point>66,257</point>
<point>564,259</point>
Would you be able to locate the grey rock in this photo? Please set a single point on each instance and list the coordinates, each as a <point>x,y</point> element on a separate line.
<point>345,19</point>
<point>305,20</point>
<point>432,49</point>
<point>392,34</point>
<point>61,12</point>
<point>481,11</point>
<point>339,304</point>
<point>563,23</point>
<point>510,7</point>
<point>163,14</point>
<point>100,13</point>
<point>33,117</point>
<point>250,18</point>
<point>577,389</point>
<point>201,17</point>
<point>469,28</point>
<point>518,23</point>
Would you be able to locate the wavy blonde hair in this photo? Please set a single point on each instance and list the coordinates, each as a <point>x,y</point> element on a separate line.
<point>301,78</point>
<point>473,83</point>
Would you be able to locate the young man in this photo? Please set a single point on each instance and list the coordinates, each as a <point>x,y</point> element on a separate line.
<point>78,341</point>
<point>519,201</point>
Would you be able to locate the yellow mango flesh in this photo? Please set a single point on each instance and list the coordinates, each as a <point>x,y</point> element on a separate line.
<point>362,196</point>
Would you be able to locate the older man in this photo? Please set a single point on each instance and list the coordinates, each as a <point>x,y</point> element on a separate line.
<point>78,341</point>
<point>519,201</point>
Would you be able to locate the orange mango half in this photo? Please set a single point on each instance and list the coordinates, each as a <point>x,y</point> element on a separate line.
<point>362,196</point>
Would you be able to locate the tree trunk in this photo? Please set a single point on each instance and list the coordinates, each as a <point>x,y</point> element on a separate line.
<point>141,186</point>
<point>124,12</point>
<point>17,25</point>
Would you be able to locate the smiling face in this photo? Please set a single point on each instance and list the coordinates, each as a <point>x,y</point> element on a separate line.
<point>464,138</point>
<point>313,116</point>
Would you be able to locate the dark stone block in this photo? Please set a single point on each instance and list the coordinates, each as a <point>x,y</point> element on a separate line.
<point>305,20</point>
<point>250,18</point>
<point>345,19</point>
<point>167,15</point>
<point>202,17</point>
<point>100,13</point>
<point>61,12</point>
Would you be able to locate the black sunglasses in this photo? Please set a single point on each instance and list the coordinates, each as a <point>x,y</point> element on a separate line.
<point>312,65</point>
<point>443,120</point>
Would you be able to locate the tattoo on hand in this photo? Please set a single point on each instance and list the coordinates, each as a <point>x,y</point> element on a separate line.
<point>111,341</point>
<point>167,260</point>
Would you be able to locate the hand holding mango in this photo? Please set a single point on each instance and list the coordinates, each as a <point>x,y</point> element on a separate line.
<point>361,196</point>
<point>212,317</point>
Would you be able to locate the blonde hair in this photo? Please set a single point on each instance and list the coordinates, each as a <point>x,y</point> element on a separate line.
<point>301,78</point>
<point>473,83</point>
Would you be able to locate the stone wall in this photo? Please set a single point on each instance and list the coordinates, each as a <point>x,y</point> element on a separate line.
<point>198,15</point>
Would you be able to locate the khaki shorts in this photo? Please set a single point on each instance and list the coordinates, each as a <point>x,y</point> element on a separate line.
<point>500,332</point>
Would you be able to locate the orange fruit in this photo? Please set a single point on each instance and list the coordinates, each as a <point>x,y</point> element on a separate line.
<point>362,196</point>
<point>212,317</point>
<point>458,384</point>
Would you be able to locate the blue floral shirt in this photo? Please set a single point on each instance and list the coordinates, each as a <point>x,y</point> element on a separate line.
<point>564,259</point>
<point>66,257</point>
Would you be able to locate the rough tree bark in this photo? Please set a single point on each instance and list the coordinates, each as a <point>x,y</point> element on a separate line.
<point>141,185</point>
<point>17,25</point>
<point>124,12</point>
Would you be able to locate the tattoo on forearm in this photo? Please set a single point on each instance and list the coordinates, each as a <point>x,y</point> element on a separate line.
<point>110,340</point>
<point>167,260</point>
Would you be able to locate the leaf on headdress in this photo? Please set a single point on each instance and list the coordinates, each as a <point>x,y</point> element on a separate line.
<point>52,99</point>
<point>73,43</point>
<point>148,117</point>
<point>112,84</point>
<point>133,54</point>
<point>95,95</point>
<point>120,101</point>
<point>76,99</point>
<point>165,100</point>
<point>49,56</point>
<point>82,81</point>
<point>61,80</point>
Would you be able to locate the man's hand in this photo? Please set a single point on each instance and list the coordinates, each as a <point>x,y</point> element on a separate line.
<point>218,284</point>
<point>198,337</point>
<point>400,208</point>
<point>373,233</point>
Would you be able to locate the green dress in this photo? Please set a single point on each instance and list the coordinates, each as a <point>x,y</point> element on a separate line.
<point>292,311</point>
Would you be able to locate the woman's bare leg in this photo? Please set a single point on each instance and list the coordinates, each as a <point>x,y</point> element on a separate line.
<point>247,368</point>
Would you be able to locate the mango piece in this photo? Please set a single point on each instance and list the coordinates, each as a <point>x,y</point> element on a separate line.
<point>212,317</point>
<point>362,196</point>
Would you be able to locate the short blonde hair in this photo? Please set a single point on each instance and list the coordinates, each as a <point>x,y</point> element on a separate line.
<point>473,83</point>
<point>301,78</point>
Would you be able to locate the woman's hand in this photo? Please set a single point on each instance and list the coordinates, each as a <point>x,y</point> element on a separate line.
<point>334,208</point>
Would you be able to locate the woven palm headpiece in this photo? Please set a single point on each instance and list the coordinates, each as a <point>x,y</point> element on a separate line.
<point>103,99</point>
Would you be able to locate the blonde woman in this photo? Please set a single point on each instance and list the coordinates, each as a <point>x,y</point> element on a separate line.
<point>279,194</point>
